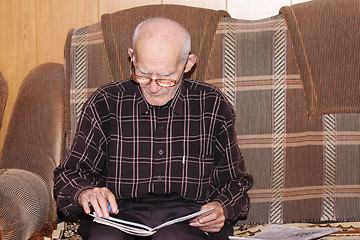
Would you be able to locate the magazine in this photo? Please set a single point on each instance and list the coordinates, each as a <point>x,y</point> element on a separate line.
<point>278,232</point>
<point>141,229</point>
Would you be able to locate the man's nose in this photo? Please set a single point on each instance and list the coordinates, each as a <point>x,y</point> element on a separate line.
<point>153,86</point>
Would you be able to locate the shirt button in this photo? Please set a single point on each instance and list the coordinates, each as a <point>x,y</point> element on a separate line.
<point>159,177</point>
<point>161,126</point>
<point>161,152</point>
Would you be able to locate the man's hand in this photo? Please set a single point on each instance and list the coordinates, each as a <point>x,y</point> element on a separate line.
<point>211,221</point>
<point>98,198</point>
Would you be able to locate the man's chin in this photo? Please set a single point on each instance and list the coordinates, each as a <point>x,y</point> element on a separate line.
<point>157,103</point>
<point>157,100</point>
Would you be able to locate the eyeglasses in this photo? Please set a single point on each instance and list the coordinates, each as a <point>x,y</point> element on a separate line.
<point>147,80</point>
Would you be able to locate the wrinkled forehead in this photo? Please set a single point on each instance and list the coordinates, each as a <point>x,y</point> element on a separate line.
<point>163,31</point>
<point>161,27</point>
<point>165,52</point>
<point>157,56</point>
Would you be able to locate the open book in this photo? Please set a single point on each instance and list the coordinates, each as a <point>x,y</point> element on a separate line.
<point>141,229</point>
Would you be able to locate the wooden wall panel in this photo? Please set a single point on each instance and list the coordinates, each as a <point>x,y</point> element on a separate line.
<point>17,47</point>
<point>255,9</point>
<point>54,19</point>
<point>214,4</point>
<point>109,6</point>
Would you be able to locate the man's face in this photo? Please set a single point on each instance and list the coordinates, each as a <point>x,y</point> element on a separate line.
<point>157,59</point>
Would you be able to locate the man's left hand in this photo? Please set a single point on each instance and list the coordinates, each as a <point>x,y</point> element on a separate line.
<point>211,221</point>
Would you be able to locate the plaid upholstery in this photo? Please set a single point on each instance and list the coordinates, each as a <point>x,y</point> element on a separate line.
<point>305,168</point>
<point>87,70</point>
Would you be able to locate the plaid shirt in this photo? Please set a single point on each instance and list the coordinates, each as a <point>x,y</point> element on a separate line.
<point>188,147</point>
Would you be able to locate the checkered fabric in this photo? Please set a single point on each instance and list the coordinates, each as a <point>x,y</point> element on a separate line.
<point>305,168</point>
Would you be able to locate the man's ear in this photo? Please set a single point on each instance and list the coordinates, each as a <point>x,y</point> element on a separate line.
<point>131,52</point>
<point>190,62</point>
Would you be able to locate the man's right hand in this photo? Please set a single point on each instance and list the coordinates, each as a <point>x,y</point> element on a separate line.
<point>98,198</point>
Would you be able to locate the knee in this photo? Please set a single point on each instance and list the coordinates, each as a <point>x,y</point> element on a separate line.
<point>181,231</point>
<point>118,235</point>
<point>89,230</point>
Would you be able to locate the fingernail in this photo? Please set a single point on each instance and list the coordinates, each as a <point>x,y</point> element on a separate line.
<point>109,208</point>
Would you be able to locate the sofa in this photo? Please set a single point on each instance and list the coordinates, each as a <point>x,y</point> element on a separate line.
<point>293,80</point>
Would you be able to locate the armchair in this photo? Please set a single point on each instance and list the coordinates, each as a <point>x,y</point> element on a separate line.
<point>33,147</point>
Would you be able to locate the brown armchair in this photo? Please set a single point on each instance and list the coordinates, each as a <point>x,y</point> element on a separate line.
<point>45,113</point>
<point>33,147</point>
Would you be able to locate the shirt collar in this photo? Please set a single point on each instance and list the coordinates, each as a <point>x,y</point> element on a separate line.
<point>177,103</point>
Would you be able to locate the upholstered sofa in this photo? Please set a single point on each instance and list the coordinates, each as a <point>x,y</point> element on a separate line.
<point>293,79</point>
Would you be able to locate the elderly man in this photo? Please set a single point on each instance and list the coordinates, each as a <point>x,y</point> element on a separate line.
<point>156,147</point>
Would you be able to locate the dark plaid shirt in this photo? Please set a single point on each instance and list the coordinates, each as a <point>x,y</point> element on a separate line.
<point>188,147</point>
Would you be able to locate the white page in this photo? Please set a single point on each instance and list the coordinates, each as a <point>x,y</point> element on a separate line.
<point>141,229</point>
<point>278,232</point>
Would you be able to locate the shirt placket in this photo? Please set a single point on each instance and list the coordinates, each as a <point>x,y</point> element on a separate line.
<point>160,150</point>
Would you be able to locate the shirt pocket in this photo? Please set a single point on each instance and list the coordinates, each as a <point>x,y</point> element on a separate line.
<point>199,168</point>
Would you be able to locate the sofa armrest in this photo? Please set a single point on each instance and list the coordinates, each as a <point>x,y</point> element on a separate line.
<point>25,200</point>
<point>33,148</point>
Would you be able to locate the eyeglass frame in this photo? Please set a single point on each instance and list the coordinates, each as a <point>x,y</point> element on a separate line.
<point>132,70</point>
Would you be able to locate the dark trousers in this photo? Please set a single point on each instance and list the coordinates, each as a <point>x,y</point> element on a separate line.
<point>153,210</point>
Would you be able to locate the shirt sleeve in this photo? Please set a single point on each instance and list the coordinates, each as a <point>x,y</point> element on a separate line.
<point>230,182</point>
<point>83,167</point>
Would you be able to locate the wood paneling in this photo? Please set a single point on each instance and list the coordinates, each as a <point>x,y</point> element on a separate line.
<point>109,6</point>
<point>214,4</point>
<point>54,19</point>
<point>17,47</point>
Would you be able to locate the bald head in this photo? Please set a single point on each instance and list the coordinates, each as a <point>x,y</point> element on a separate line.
<point>161,50</point>
<point>165,32</point>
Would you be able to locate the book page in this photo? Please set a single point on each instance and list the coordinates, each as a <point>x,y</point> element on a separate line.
<point>181,219</point>
<point>141,229</point>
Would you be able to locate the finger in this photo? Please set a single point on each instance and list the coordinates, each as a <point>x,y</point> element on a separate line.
<point>211,229</point>
<point>96,207</point>
<point>93,198</point>
<point>84,201</point>
<point>86,206</point>
<point>203,224</point>
<point>214,227</point>
<point>208,227</point>
<point>112,202</point>
<point>212,216</point>
<point>101,204</point>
